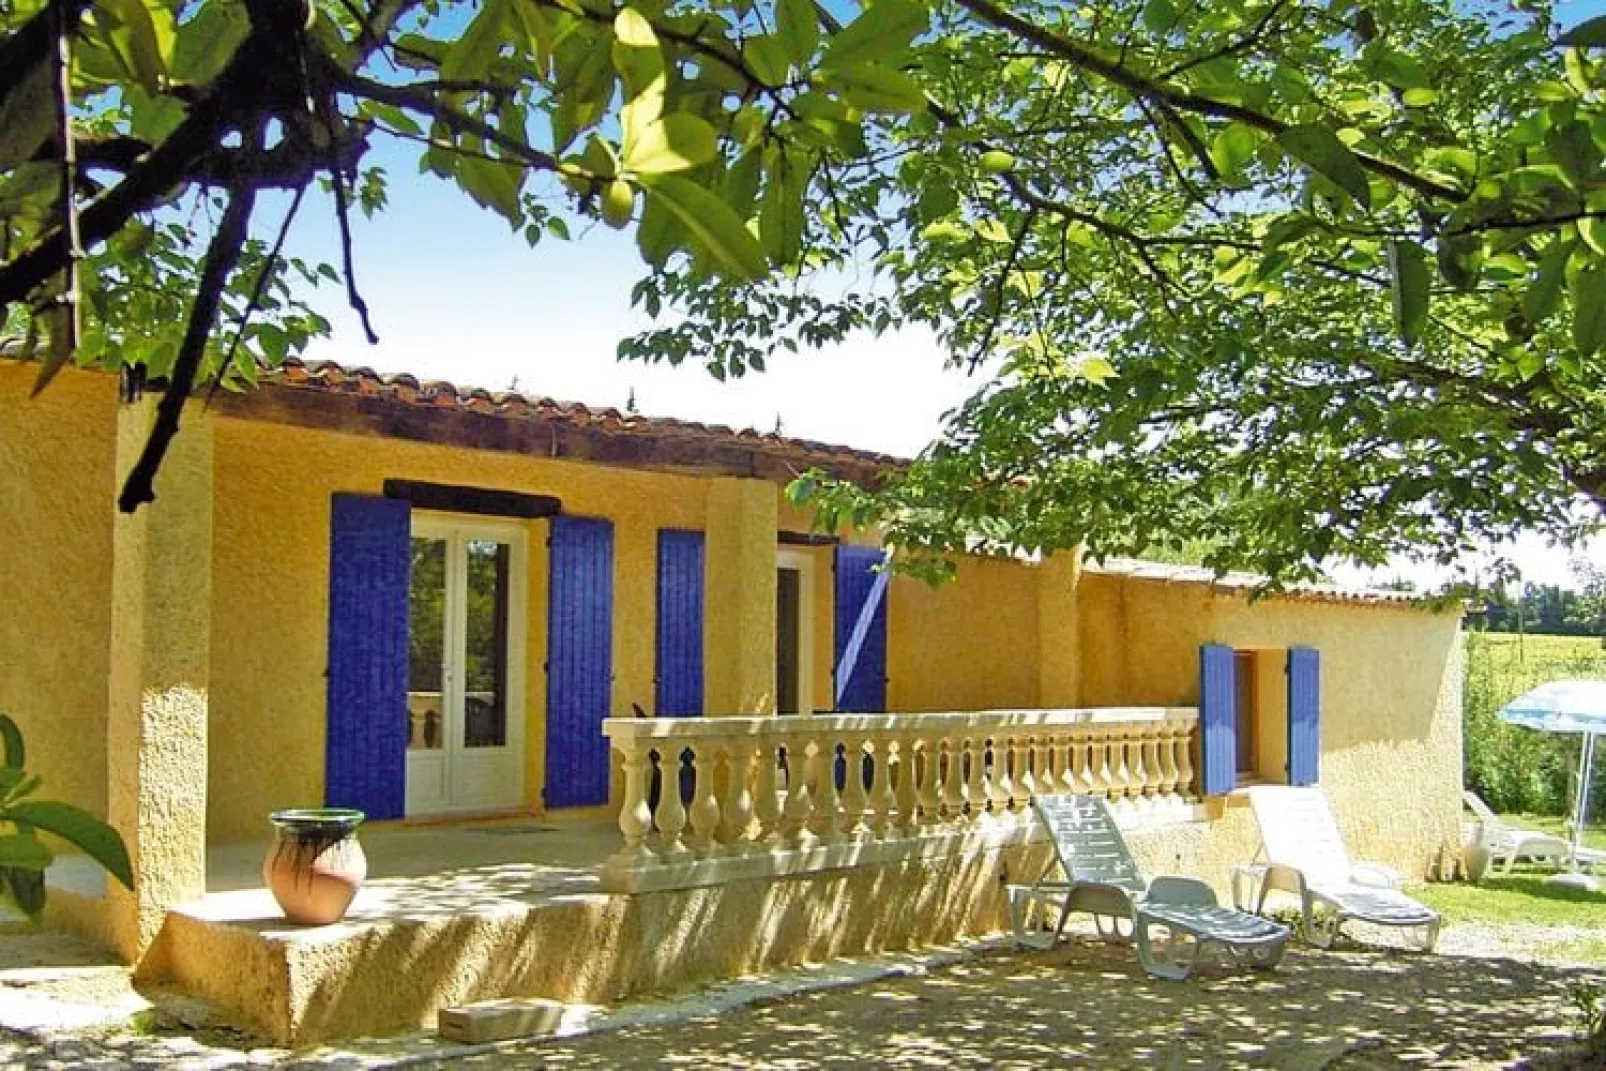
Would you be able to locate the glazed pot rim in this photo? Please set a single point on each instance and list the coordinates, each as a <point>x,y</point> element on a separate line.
<point>322,818</point>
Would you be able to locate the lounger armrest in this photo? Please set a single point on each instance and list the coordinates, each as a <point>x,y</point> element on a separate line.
<point>1376,876</point>
<point>1285,878</point>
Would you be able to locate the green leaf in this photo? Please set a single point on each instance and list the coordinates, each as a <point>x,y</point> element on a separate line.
<point>1319,149</point>
<point>25,851</point>
<point>711,221</point>
<point>780,220</point>
<point>206,42</point>
<point>798,26</point>
<point>493,185</point>
<point>1159,16</point>
<point>881,32</point>
<point>767,59</point>
<point>150,39</point>
<point>1232,149</point>
<point>631,29</point>
<point>874,88</point>
<point>1589,307</point>
<point>15,753</point>
<point>471,55</point>
<point>676,142</point>
<point>1588,34</point>
<point>1539,300</point>
<point>26,889</point>
<point>79,828</point>
<point>1408,264</point>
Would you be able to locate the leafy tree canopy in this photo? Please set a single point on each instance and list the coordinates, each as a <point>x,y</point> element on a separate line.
<point>1284,280</point>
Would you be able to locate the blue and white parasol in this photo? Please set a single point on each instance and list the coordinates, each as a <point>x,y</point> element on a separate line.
<point>1577,706</point>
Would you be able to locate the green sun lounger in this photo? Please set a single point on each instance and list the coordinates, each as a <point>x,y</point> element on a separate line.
<point>1172,920</point>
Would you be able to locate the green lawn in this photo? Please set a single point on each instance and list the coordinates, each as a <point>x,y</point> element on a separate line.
<point>1527,899</point>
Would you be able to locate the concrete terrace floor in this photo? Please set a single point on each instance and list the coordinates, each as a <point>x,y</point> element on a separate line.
<point>413,870</point>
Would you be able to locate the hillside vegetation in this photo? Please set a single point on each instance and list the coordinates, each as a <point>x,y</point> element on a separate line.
<point>1514,769</point>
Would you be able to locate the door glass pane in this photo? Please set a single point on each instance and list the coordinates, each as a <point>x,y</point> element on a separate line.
<point>787,599</point>
<point>485,660</point>
<point>426,706</point>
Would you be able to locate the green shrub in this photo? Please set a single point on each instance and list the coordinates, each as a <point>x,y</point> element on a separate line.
<point>23,855</point>
<point>1515,769</point>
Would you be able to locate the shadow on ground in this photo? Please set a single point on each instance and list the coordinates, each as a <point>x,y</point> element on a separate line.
<point>1088,1004</point>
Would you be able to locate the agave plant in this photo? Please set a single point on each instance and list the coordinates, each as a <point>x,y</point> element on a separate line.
<point>23,853</point>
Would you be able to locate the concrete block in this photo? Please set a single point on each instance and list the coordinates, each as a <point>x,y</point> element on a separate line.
<point>498,1020</point>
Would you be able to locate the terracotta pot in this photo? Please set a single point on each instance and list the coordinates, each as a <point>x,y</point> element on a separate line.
<point>315,865</point>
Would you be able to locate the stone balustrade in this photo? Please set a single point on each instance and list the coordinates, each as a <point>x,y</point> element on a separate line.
<point>710,800</point>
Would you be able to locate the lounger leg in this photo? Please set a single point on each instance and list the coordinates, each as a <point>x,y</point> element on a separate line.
<point>1266,957</point>
<point>1430,936</point>
<point>1171,965</point>
<point>1024,907</point>
<point>1113,934</point>
<point>1319,935</point>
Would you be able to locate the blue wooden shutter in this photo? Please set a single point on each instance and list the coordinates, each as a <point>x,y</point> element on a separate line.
<point>579,661</point>
<point>679,689</point>
<point>365,749</point>
<point>1218,720</point>
<point>861,629</point>
<point>1304,715</point>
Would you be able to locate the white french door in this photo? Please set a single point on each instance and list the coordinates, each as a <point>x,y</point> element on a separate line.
<point>465,702</point>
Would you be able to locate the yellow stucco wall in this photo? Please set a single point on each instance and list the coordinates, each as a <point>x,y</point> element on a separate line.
<point>56,499</point>
<point>967,645</point>
<point>1390,696</point>
<point>270,608</point>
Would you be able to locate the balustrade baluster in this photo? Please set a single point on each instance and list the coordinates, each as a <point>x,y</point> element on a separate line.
<point>1167,748</point>
<point>799,800</point>
<point>855,800</point>
<point>917,784</point>
<point>670,817</point>
<point>883,801</point>
<point>768,804</point>
<point>982,782</point>
<point>1136,775</point>
<point>635,818</point>
<point>737,821</point>
<point>1081,754</point>
<point>1184,750</point>
<point>705,809</point>
<point>1025,773</point>
<point>1005,765</point>
<point>952,772</point>
<point>828,798</point>
<point>1103,774</point>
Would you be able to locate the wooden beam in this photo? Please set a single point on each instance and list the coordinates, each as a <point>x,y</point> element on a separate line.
<point>481,501</point>
<point>805,539</point>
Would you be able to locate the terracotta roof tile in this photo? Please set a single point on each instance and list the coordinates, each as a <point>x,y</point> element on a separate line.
<point>406,389</point>
<point>1163,572</point>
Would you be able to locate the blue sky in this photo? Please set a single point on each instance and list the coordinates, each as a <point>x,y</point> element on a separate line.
<point>456,295</point>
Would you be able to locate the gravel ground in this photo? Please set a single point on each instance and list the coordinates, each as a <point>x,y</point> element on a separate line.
<point>1471,1005</point>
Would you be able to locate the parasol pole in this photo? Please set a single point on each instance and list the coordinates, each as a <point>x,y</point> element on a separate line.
<point>1586,767</point>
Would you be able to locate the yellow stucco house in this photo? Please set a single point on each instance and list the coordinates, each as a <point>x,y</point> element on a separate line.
<point>446,606</point>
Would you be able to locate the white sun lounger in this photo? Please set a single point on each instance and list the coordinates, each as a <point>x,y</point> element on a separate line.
<point>1172,919</point>
<point>1305,855</point>
<point>1507,844</point>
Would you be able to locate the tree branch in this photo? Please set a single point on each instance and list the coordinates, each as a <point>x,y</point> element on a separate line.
<point>1140,85</point>
<point>221,257</point>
